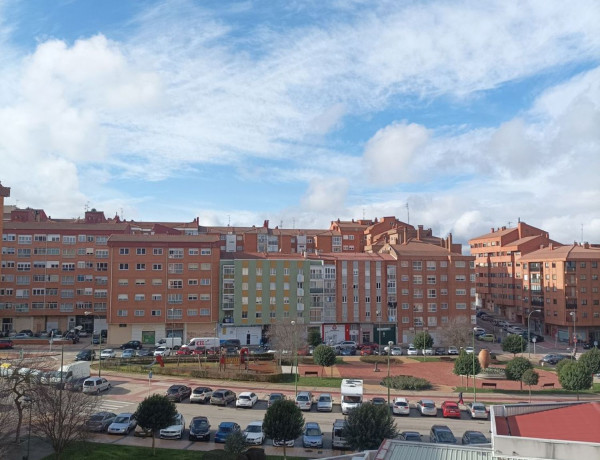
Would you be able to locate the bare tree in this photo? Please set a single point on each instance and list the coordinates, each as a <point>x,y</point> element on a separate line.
<point>458,332</point>
<point>61,415</point>
<point>8,417</point>
<point>287,337</point>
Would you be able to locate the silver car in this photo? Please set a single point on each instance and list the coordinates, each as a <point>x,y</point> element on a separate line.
<point>325,403</point>
<point>122,424</point>
<point>477,410</point>
<point>427,407</point>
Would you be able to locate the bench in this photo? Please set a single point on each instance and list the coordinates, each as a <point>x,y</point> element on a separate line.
<point>311,373</point>
<point>488,385</point>
<point>548,385</point>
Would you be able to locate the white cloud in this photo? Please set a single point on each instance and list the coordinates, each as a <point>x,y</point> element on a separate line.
<point>326,195</point>
<point>390,154</point>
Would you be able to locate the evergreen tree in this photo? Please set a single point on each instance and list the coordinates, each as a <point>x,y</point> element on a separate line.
<point>367,426</point>
<point>514,344</point>
<point>324,356</point>
<point>530,377</point>
<point>574,376</point>
<point>283,421</point>
<point>515,369</point>
<point>155,413</point>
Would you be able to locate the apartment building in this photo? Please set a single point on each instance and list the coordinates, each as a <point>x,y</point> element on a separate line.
<point>562,283</point>
<point>163,285</point>
<point>4,193</point>
<point>498,287</point>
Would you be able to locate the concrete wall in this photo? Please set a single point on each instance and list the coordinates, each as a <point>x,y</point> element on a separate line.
<point>541,448</point>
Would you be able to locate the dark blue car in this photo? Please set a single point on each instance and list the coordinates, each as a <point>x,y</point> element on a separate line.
<point>224,430</point>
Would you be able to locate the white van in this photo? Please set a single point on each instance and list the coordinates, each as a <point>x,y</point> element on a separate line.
<point>336,435</point>
<point>95,385</point>
<point>206,342</point>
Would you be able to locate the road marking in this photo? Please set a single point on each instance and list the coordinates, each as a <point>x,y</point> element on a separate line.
<point>112,405</point>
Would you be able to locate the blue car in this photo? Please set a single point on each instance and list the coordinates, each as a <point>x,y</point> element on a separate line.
<point>313,436</point>
<point>224,430</point>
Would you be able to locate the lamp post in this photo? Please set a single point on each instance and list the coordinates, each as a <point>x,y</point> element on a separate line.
<point>528,333</point>
<point>30,401</point>
<point>389,352</point>
<point>88,313</point>
<point>295,361</point>
<point>574,334</point>
<point>473,370</point>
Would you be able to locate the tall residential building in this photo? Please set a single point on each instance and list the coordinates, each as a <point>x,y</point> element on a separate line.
<point>562,282</point>
<point>4,193</point>
<point>498,287</point>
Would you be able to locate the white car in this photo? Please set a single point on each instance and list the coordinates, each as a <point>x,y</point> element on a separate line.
<point>246,399</point>
<point>396,351</point>
<point>469,350</point>
<point>515,330</point>
<point>201,395</point>
<point>279,443</point>
<point>427,407</point>
<point>477,410</point>
<point>304,400</point>
<point>174,431</point>
<point>412,351</point>
<point>254,433</point>
<point>428,352</point>
<point>479,330</point>
<point>108,353</point>
<point>95,385</point>
<point>401,406</point>
<point>452,350</point>
<point>162,351</point>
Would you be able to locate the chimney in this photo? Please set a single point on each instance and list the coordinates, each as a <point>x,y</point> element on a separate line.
<point>492,230</point>
<point>586,245</point>
<point>419,232</point>
<point>405,236</point>
<point>551,246</point>
<point>449,242</point>
<point>266,223</point>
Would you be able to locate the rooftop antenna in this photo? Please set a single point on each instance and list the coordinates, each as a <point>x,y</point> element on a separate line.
<point>121,209</point>
<point>407,214</point>
<point>87,206</point>
<point>229,220</point>
<point>509,222</point>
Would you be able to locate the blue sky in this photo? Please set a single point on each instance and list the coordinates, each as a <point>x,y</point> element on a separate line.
<point>474,113</point>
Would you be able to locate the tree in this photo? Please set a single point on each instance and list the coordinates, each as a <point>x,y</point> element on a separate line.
<point>574,376</point>
<point>530,377</point>
<point>61,415</point>
<point>283,421</point>
<point>324,356</point>
<point>155,413</point>
<point>367,426</point>
<point>516,367</point>
<point>314,337</point>
<point>458,332</point>
<point>591,360</point>
<point>464,365</point>
<point>423,340</point>
<point>235,443</point>
<point>514,343</point>
<point>286,338</point>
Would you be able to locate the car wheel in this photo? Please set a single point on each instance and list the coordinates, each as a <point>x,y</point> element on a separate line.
<point>127,432</point>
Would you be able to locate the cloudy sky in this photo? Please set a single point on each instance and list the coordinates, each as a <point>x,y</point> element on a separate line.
<point>474,113</point>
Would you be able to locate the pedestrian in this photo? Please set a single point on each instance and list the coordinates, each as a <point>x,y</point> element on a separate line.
<point>460,398</point>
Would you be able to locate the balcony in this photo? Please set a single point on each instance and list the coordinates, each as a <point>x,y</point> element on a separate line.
<point>571,304</point>
<point>228,305</point>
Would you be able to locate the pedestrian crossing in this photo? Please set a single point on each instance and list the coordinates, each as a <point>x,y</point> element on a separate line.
<point>111,405</point>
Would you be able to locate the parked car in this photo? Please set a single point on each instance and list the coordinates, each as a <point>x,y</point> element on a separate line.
<point>401,406</point>
<point>439,351</point>
<point>304,400</point>
<point>246,399</point>
<point>379,401</point>
<point>222,397</point>
<point>487,337</point>
<point>325,403</point>
<point>479,330</point>
<point>108,353</point>
<point>85,355</point>
<point>477,410</point>
<point>27,332</point>
<point>175,430</point>
<point>199,429</point>
<point>6,344</point>
<point>95,385</point>
<point>412,351</point>
<point>76,384</point>
<point>427,407</point>
<point>367,351</point>
<point>184,351</point>
<point>347,351</point>
<point>162,351</point>
<point>274,397</point>
<point>413,436</point>
<point>474,437</point>
<point>144,352</point>
<point>123,424</point>
<point>452,350</point>
<point>178,392</point>
<point>313,436</point>
<point>469,350</point>
<point>141,432</point>
<point>254,433</point>
<point>441,434</point>
<point>21,335</point>
<point>450,409</point>
<point>552,359</point>
<point>201,395</point>
<point>134,344</point>
<point>396,351</point>
<point>224,430</point>
<point>281,442</point>
<point>128,353</point>
<point>100,421</point>
<point>428,352</point>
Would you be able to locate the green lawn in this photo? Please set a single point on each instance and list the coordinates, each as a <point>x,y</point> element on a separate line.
<point>98,451</point>
<point>556,391</point>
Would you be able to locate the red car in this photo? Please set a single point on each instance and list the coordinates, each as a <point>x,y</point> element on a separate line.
<point>183,351</point>
<point>368,350</point>
<point>450,409</point>
<point>6,343</point>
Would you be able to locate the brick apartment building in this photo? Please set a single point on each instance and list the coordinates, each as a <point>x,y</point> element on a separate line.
<point>563,283</point>
<point>498,287</point>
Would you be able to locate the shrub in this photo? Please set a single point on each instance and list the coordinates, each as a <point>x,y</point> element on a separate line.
<point>406,382</point>
<point>372,359</point>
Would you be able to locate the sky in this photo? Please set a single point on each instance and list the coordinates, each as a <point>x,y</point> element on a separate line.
<point>457,115</point>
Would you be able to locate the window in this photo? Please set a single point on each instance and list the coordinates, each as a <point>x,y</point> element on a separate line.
<point>459,264</point>
<point>431,265</point>
<point>461,306</point>
<point>123,251</point>
<point>192,312</point>
<point>192,282</point>
<point>175,284</point>
<point>156,296</point>
<point>156,313</point>
<point>140,251</point>
<point>205,252</point>
<point>157,251</point>
<point>461,292</point>
<point>204,312</point>
<point>431,293</point>
<point>193,251</point>
<point>140,266</point>
<point>67,239</point>
<point>258,314</point>
<point>417,265</point>
<point>139,313</point>
<point>175,253</point>
<point>122,312</point>
<point>139,297</point>
<point>123,266</point>
<point>156,267</point>
<point>122,297</point>
<point>461,278</point>
<point>431,279</point>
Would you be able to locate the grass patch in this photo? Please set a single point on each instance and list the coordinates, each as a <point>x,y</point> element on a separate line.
<point>427,359</point>
<point>557,391</point>
<point>326,382</point>
<point>99,451</point>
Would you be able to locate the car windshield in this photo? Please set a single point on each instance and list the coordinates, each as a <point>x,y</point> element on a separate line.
<point>302,398</point>
<point>445,436</point>
<point>96,418</point>
<point>122,420</point>
<point>254,429</point>
<point>275,397</point>
<point>313,432</point>
<point>199,391</point>
<point>401,403</point>
<point>324,399</point>
<point>412,436</point>
<point>225,429</point>
<point>478,406</point>
<point>199,424</point>
<point>173,390</point>
<point>244,397</point>
<point>352,399</point>
<point>428,405</point>
<point>477,437</point>
<point>89,383</point>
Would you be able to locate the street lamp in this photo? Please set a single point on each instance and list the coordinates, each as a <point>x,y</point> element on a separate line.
<point>295,360</point>
<point>88,313</point>
<point>574,333</point>
<point>473,370</point>
<point>528,333</point>
<point>389,352</point>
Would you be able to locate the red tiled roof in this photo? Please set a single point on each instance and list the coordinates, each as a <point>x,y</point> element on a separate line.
<point>578,422</point>
<point>571,252</point>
